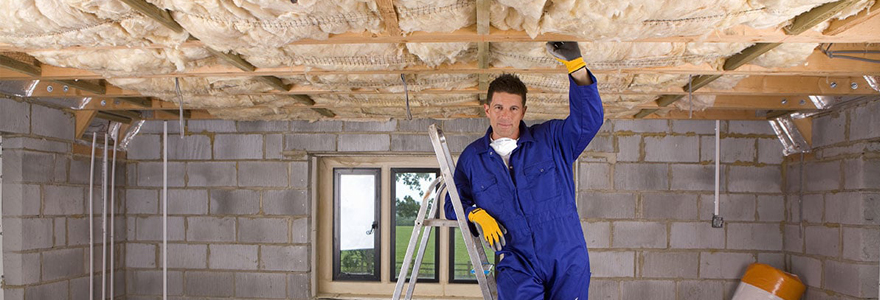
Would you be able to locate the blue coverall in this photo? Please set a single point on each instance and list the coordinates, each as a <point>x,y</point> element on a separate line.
<point>534,198</point>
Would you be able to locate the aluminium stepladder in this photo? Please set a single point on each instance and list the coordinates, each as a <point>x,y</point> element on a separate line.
<point>443,184</point>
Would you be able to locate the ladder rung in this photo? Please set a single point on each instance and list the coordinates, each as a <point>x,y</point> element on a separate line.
<point>441,223</point>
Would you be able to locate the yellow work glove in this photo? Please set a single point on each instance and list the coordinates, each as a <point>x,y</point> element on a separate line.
<point>568,53</point>
<point>492,232</point>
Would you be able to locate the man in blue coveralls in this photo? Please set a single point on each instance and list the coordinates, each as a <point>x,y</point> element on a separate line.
<point>520,178</point>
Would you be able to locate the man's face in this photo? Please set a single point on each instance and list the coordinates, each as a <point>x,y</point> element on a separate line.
<point>505,112</point>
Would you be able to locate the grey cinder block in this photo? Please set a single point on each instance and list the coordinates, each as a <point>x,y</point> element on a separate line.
<point>642,126</point>
<point>353,126</point>
<point>55,290</point>
<point>411,142</point>
<point>235,202</point>
<point>604,289</point>
<point>263,126</point>
<point>473,125</point>
<point>63,200</point>
<point>300,229</point>
<point>639,235</point>
<point>693,127</point>
<point>286,203</point>
<point>262,230</point>
<point>238,146</point>
<point>262,174</point>
<point>145,147</point>
<point>596,205</point>
<point>416,125</point>
<point>693,177</point>
<point>299,174</point>
<point>696,236</point>
<point>15,116</point>
<point>754,236</point>
<point>857,280</point>
<point>232,257</point>
<point>52,122</point>
<point>612,263</point>
<point>820,176</point>
<point>364,142</point>
<point>211,174</point>
<point>629,176</point>
<point>754,179</point>
<point>191,147</point>
<point>21,199</point>
<point>669,206</point>
<point>141,255</point>
<point>187,202</point>
<point>672,149</point>
<point>601,143</point>
<point>21,268</point>
<point>597,234</point>
<point>149,282</point>
<point>274,146</point>
<point>188,256</point>
<point>214,284</point>
<point>284,258</point>
<point>198,126</point>
<point>62,263</point>
<point>310,142</point>
<point>700,289</point>
<point>670,264</point>
<point>629,148</point>
<point>808,269</point>
<point>831,130</point>
<point>771,208</point>
<point>821,240</point>
<point>861,244</point>
<point>209,229</point>
<point>770,151</point>
<point>792,240</point>
<point>260,285</point>
<point>319,126</point>
<point>737,207</point>
<point>27,234</point>
<point>594,176</point>
<point>750,127</point>
<point>141,201</point>
<point>298,286</point>
<point>724,265</point>
<point>868,119</point>
<point>149,174</point>
<point>647,289</point>
<point>150,229</point>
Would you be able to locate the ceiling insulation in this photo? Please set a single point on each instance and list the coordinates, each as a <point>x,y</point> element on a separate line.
<point>264,34</point>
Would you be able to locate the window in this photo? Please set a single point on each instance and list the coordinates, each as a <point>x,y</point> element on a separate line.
<point>356,242</point>
<point>460,266</point>
<point>407,190</point>
<point>352,194</point>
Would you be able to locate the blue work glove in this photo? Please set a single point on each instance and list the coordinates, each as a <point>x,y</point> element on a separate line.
<point>492,232</point>
<point>568,53</point>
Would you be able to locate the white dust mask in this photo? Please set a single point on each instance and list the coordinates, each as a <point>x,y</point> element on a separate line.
<point>503,146</point>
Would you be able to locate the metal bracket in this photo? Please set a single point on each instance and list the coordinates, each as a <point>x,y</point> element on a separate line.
<point>788,134</point>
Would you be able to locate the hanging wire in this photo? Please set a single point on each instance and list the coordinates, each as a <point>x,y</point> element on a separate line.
<point>179,103</point>
<point>835,54</point>
<point>690,97</point>
<point>406,92</point>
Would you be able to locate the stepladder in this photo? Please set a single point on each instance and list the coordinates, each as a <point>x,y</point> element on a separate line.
<point>427,218</point>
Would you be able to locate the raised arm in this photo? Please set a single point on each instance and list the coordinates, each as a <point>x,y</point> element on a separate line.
<point>585,106</point>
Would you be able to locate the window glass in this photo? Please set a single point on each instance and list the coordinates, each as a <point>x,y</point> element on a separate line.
<point>460,267</point>
<point>356,241</point>
<point>408,188</point>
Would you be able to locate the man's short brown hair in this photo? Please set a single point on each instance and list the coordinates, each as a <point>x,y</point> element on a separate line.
<point>507,83</point>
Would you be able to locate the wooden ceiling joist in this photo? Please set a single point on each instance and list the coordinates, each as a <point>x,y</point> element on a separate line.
<point>160,15</point>
<point>389,17</point>
<point>857,30</point>
<point>94,88</point>
<point>840,26</point>
<point>816,63</point>
<point>83,120</point>
<point>113,117</point>
<point>17,66</point>
<point>799,24</point>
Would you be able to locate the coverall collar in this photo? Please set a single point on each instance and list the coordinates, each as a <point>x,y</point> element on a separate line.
<point>524,136</point>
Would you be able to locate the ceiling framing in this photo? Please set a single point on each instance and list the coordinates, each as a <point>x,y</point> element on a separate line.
<point>766,89</point>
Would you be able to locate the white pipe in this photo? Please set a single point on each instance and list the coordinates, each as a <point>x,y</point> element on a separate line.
<point>112,214</point>
<point>91,222</point>
<point>165,212</point>
<point>104,223</point>
<point>717,167</point>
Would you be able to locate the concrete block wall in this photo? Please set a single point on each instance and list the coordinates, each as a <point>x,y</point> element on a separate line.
<point>645,195</point>
<point>45,207</point>
<point>836,245</point>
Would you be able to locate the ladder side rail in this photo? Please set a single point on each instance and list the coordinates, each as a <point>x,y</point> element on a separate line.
<point>446,164</point>
<point>423,245</point>
<point>417,226</point>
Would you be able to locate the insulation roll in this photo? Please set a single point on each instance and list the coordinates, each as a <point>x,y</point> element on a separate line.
<point>765,282</point>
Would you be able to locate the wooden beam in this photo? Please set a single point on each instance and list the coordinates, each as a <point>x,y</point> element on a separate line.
<point>817,63</point>
<point>83,119</point>
<point>748,55</point>
<point>125,113</point>
<point>171,114</point>
<point>84,85</point>
<point>482,17</point>
<point>17,66</point>
<point>324,112</point>
<point>709,115</point>
<point>666,100</point>
<point>644,113</point>
<point>389,17</point>
<point>817,15</point>
<point>840,26</point>
<point>274,82</point>
<point>159,15</point>
<point>138,101</point>
<point>112,117</point>
<point>233,59</point>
